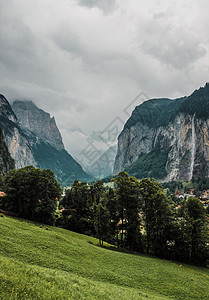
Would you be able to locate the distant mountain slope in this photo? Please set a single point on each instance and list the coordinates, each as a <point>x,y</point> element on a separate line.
<point>66,168</point>
<point>46,142</point>
<point>103,166</point>
<point>167,139</point>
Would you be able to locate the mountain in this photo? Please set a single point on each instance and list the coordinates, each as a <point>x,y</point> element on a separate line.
<point>14,138</point>
<point>32,138</point>
<point>6,161</point>
<point>98,151</point>
<point>167,139</point>
<point>37,122</point>
<point>103,166</point>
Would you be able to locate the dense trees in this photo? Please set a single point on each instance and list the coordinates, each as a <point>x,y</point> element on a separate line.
<point>193,230</point>
<point>33,193</point>
<point>76,205</point>
<point>128,208</point>
<point>102,221</point>
<point>138,216</point>
<point>157,216</point>
<point>132,214</point>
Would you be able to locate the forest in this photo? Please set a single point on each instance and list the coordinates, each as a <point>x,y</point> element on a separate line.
<point>134,215</point>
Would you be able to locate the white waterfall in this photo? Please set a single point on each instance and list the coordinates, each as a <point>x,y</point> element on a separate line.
<point>192,147</point>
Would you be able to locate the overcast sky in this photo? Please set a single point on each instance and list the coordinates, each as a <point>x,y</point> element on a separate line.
<point>84,61</point>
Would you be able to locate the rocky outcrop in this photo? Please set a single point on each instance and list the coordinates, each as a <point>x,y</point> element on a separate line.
<point>32,138</point>
<point>6,161</point>
<point>167,139</point>
<point>35,120</point>
<point>16,141</point>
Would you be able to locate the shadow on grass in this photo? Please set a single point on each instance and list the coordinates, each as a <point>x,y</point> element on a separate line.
<point>183,265</point>
<point>120,250</point>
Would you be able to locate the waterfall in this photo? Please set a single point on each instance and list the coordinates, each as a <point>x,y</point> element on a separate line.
<point>192,148</point>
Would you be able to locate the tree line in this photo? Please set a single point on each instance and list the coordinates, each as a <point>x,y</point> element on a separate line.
<point>31,193</point>
<point>133,215</point>
<point>138,216</point>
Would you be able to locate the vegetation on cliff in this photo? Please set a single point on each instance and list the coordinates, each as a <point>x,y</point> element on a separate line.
<point>197,103</point>
<point>154,112</point>
<point>177,127</point>
<point>151,165</point>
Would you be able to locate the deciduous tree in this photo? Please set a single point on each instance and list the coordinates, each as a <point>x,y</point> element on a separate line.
<point>33,193</point>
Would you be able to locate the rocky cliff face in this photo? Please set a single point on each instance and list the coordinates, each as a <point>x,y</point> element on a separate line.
<point>17,143</point>
<point>35,120</point>
<point>167,139</point>
<point>33,138</point>
<point>6,161</point>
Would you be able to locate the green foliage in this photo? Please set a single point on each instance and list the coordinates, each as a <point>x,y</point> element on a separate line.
<point>32,193</point>
<point>1,182</point>
<point>137,216</point>
<point>127,207</point>
<point>97,190</point>
<point>76,203</point>
<point>172,185</point>
<point>158,112</point>
<point>101,221</point>
<point>157,217</point>
<point>154,112</point>
<point>197,103</point>
<point>58,264</point>
<point>193,231</point>
<point>198,184</point>
<point>151,165</point>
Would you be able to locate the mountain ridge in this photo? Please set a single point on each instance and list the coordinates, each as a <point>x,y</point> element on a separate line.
<point>167,139</point>
<point>32,138</point>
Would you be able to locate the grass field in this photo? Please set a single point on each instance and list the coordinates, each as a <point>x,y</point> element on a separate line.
<point>43,262</point>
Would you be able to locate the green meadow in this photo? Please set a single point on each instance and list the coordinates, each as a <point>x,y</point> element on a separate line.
<point>42,262</point>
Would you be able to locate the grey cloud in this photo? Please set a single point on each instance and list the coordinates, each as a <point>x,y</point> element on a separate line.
<point>179,51</point>
<point>17,42</point>
<point>84,65</point>
<point>105,5</point>
<point>172,43</point>
<point>22,52</point>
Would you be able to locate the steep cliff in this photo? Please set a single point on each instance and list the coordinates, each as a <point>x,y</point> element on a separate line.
<point>167,139</point>
<point>16,141</point>
<point>46,143</point>
<point>6,161</point>
<point>35,120</point>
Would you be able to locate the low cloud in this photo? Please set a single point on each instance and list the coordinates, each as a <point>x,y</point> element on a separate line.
<point>84,61</point>
<point>106,5</point>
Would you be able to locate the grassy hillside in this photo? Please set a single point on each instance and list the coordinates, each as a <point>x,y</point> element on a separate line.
<point>43,262</point>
